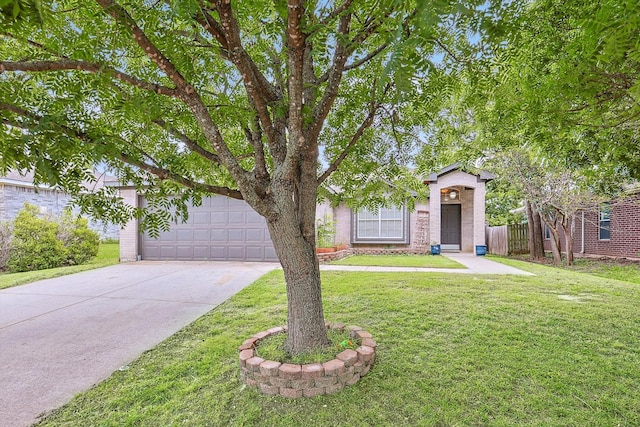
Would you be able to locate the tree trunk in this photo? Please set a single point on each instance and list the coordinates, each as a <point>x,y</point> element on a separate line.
<point>555,246</point>
<point>305,317</point>
<point>567,227</point>
<point>555,239</point>
<point>536,236</point>
<point>531,243</point>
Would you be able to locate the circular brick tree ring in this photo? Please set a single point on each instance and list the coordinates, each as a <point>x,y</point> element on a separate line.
<point>293,381</point>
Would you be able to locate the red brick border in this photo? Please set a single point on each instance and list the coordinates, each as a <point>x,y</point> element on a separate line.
<point>293,381</point>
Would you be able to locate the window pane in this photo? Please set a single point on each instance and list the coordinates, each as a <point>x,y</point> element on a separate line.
<point>604,215</point>
<point>367,228</point>
<point>605,232</point>
<point>391,229</point>
<point>384,224</point>
<point>391,213</point>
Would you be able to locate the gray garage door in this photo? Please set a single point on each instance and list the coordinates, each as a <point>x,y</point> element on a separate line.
<point>221,229</point>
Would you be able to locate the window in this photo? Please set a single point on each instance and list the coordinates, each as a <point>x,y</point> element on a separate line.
<point>604,221</point>
<point>547,232</point>
<point>387,225</point>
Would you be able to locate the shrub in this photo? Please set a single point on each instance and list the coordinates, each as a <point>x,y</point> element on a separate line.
<point>6,234</point>
<point>80,243</point>
<point>35,245</point>
<point>326,230</point>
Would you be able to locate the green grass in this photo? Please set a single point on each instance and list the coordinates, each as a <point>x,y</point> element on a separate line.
<point>272,348</point>
<point>619,269</point>
<point>108,254</point>
<point>557,349</point>
<point>428,261</point>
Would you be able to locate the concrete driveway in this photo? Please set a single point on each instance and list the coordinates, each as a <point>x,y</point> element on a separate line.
<point>60,336</point>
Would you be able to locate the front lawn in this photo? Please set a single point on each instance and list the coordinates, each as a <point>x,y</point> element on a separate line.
<point>611,268</point>
<point>108,254</point>
<point>560,348</point>
<point>427,261</point>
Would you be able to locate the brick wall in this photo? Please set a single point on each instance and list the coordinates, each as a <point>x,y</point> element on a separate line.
<point>13,198</point>
<point>625,231</point>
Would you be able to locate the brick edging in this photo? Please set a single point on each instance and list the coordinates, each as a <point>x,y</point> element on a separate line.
<point>293,381</point>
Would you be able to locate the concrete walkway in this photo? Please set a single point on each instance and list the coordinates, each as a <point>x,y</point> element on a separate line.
<point>474,265</point>
<point>60,336</point>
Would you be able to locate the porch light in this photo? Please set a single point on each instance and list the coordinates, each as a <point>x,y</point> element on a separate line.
<point>453,194</point>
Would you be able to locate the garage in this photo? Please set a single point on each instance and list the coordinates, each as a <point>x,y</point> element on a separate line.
<point>221,229</point>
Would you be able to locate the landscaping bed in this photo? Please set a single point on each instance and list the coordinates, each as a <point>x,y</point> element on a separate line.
<point>312,379</point>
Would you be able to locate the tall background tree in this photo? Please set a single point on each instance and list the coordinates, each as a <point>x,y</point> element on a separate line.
<point>559,79</point>
<point>186,99</point>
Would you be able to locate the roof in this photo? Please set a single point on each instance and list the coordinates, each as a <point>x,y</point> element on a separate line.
<point>25,179</point>
<point>483,176</point>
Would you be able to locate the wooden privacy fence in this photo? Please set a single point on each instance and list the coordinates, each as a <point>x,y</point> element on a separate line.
<point>508,239</point>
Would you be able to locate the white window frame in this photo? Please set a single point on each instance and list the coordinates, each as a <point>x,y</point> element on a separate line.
<point>402,238</point>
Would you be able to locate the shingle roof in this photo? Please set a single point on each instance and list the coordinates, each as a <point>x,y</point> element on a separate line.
<point>483,176</point>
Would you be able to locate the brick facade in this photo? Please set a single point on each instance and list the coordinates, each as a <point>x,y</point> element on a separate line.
<point>472,192</point>
<point>624,235</point>
<point>425,221</point>
<point>14,196</point>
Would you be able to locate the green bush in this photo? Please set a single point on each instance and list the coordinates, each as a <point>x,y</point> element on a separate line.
<point>80,243</point>
<point>6,234</point>
<point>40,242</point>
<point>35,245</point>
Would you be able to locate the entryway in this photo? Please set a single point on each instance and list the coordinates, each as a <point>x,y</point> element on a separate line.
<point>451,226</point>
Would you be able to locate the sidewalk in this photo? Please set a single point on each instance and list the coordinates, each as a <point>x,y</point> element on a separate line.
<point>474,265</point>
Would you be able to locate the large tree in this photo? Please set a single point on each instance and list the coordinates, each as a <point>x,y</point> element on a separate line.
<point>192,98</point>
<point>563,78</point>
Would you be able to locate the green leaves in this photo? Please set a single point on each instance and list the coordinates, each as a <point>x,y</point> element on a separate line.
<point>18,10</point>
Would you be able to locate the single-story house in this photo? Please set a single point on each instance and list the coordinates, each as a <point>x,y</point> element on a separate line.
<point>612,230</point>
<point>17,188</point>
<point>228,229</point>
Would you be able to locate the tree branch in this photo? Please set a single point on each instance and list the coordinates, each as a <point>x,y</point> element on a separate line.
<point>333,79</point>
<point>191,144</point>
<point>336,12</point>
<point>368,121</point>
<point>260,92</point>
<point>255,138</point>
<point>450,53</point>
<point>359,62</point>
<point>179,179</point>
<point>187,94</point>
<point>161,173</point>
<point>68,64</point>
<point>121,16</point>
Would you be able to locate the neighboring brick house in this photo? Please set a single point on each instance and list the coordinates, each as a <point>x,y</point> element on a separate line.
<point>612,229</point>
<point>17,189</point>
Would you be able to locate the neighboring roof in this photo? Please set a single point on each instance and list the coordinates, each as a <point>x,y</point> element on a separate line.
<point>25,179</point>
<point>19,179</point>
<point>483,176</point>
